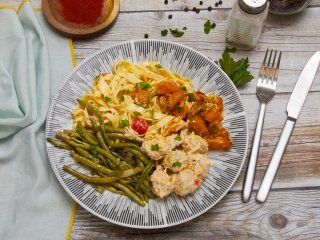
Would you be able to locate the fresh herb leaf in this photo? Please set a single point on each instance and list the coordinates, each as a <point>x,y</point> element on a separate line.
<point>214,126</point>
<point>164,32</point>
<point>158,65</point>
<point>178,138</point>
<point>155,147</point>
<point>143,85</point>
<point>191,97</point>
<point>184,28</point>
<point>97,77</point>
<point>183,88</point>
<point>176,32</point>
<point>125,122</point>
<point>236,70</point>
<point>107,99</point>
<point>93,150</point>
<point>207,26</point>
<point>135,113</point>
<point>176,164</point>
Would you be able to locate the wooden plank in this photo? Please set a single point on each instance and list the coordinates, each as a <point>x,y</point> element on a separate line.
<point>292,214</point>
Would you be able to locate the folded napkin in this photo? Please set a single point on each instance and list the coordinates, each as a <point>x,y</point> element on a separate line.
<point>34,60</point>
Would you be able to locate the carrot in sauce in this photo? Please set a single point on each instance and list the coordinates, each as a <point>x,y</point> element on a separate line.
<point>167,87</point>
<point>175,97</point>
<point>180,111</point>
<point>211,115</point>
<point>198,126</point>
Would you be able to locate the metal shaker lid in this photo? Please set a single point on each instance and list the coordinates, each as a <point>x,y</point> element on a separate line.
<point>253,6</point>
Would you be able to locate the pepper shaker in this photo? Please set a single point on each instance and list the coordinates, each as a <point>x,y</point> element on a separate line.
<point>246,21</point>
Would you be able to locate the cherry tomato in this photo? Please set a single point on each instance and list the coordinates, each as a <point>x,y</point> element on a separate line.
<point>139,125</point>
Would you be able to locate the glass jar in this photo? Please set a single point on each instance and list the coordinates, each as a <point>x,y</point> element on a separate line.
<point>246,21</point>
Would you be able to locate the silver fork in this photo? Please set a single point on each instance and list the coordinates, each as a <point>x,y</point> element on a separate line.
<point>266,88</point>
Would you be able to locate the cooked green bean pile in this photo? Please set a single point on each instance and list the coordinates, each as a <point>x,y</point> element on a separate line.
<point>117,163</point>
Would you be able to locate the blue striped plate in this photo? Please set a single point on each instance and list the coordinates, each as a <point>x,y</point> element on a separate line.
<point>173,210</point>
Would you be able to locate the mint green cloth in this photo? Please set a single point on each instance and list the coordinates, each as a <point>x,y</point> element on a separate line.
<point>34,60</point>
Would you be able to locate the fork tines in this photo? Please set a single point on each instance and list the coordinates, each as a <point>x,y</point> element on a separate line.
<point>269,72</point>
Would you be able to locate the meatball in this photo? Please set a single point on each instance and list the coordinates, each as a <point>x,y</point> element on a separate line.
<point>162,183</point>
<point>156,148</point>
<point>199,163</point>
<point>187,182</point>
<point>175,161</point>
<point>195,144</point>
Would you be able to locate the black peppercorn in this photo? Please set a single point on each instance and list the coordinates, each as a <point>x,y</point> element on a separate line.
<point>200,2</point>
<point>198,10</point>
<point>186,9</point>
<point>194,9</point>
<point>216,4</point>
<point>220,2</point>
<point>165,1</point>
<point>170,16</point>
<point>146,35</point>
<point>209,8</point>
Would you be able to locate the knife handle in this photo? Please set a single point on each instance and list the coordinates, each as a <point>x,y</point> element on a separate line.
<point>248,182</point>
<point>275,162</point>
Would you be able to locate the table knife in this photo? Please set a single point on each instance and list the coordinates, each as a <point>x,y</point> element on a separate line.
<point>294,107</point>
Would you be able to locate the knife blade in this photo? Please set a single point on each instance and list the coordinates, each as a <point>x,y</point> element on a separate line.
<point>300,91</point>
<point>295,104</point>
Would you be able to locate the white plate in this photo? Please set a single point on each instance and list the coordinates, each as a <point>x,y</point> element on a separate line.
<point>173,210</point>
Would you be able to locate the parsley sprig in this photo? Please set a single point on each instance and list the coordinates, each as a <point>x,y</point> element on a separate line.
<point>236,70</point>
<point>207,26</point>
<point>176,32</point>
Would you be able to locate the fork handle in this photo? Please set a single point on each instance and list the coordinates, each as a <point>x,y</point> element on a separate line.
<point>248,183</point>
<point>275,162</point>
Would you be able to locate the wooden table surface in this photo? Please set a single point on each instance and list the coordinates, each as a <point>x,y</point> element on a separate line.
<point>293,207</point>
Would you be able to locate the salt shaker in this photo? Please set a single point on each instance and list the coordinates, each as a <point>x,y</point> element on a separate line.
<point>246,21</point>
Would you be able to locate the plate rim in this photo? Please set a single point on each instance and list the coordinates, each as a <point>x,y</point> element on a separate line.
<point>54,98</point>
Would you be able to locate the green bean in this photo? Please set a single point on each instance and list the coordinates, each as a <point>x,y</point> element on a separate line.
<point>124,137</point>
<point>105,137</point>
<point>109,129</point>
<point>60,144</point>
<point>124,145</point>
<point>147,191</point>
<point>145,172</point>
<point>65,138</point>
<point>130,172</point>
<point>114,190</point>
<point>94,124</point>
<point>91,109</point>
<point>109,156</point>
<point>140,195</point>
<point>123,158</point>
<point>101,141</point>
<point>89,179</point>
<point>83,133</point>
<point>89,163</point>
<point>77,140</point>
<point>138,154</point>
<point>87,155</point>
<point>72,133</point>
<point>129,193</point>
